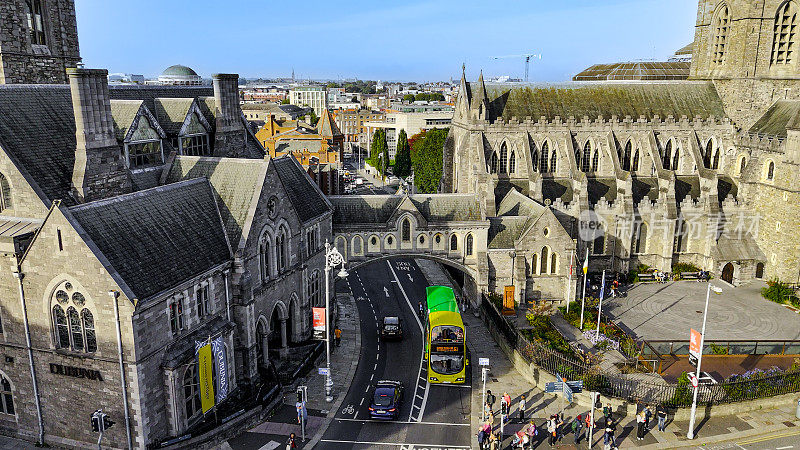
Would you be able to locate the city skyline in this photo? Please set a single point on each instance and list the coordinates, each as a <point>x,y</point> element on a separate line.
<point>424,48</point>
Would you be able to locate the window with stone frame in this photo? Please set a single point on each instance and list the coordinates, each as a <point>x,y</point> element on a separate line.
<point>144,154</point>
<point>553,160</point>
<point>640,241</point>
<point>544,260</point>
<point>88,330</point>
<point>265,258</point>
<point>770,175</point>
<point>6,397</point>
<point>176,322</point>
<point>5,193</point>
<point>503,159</point>
<point>626,157</point>
<point>202,297</point>
<point>595,160</point>
<point>73,324</point>
<point>586,158</point>
<point>512,162</point>
<point>191,392</point>
<point>721,26</point>
<point>453,243</point>
<point>314,291</point>
<point>35,16</point>
<point>599,244</point>
<point>61,327</point>
<point>195,145</point>
<point>534,157</point>
<point>469,245</point>
<point>282,245</point>
<point>545,159</point>
<point>635,162</point>
<point>784,41</point>
<point>405,232</point>
<point>553,263</point>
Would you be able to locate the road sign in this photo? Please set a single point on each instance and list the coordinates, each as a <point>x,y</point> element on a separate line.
<point>694,343</point>
<point>553,387</point>
<point>323,370</point>
<point>693,379</point>
<point>483,361</point>
<point>567,391</point>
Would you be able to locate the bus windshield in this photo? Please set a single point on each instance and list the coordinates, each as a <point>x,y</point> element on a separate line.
<point>447,364</point>
<point>447,333</point>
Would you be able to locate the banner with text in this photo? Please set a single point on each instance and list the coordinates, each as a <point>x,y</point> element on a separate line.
<point>220,356</point>
<point>205,369</point>
<point>319,323</point>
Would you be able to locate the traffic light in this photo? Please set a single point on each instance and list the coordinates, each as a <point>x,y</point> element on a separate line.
<point>503,407</point>
<point>107,422</point>
<point>96,421</point>
<point>299,393</point>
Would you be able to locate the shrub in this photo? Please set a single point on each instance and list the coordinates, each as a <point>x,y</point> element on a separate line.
<point>684,267</point>
<point>718,349</point>
<point>780,292</point>
<point>543,332</point>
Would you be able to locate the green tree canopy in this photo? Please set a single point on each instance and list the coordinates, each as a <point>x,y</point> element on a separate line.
<point>409,98</point>
<point>426,159</point>
<point>285,101</point>
<point>379,151</point>
<point>430,97</point>
<point>402,158</point>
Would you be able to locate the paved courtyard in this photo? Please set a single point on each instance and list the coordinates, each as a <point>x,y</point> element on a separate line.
<point>667,311</point>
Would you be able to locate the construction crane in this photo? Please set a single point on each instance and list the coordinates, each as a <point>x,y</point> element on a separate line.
<point>527,57</point>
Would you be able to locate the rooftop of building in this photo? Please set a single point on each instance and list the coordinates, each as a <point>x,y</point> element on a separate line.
<point>636,71</point>
<point>179,71</point>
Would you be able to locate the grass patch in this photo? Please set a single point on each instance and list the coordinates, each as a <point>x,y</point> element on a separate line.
<point>543,332</point>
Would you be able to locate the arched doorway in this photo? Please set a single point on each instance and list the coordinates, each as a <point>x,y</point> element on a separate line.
<point>760,270</point>
<point>727,273</point>
<point>262,344</point>
<point>278,330</point>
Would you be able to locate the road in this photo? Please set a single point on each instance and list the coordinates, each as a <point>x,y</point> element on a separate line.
<point>786,440</point>
<point>432,416</point>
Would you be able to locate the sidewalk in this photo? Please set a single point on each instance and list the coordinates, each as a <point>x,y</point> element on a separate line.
<point>274,432</point>
<point>503,377</point>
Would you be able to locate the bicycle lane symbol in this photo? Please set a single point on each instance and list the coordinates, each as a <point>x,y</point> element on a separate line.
<point>349,410</point>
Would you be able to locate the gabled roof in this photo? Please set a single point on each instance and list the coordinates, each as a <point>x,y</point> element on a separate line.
<point>781,115</point>
<point>327,126</point>
<point>37,130</point>
<point>379,209</point>
<point>504,231</point>
<point>553,189</point>
<point>517,204</point>
<point>124,112</point>
<point>601,187</point>
<point>172,112</point>
<point>157,238</point>
<point>307,199</point>
<point>149,93</point>
<point>237,182</point>
<point>688,98</point>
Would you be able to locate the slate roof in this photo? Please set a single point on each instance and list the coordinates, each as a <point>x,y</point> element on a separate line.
<point>378,209</point>
<point>742,248</point>
<point>157,238</point>
<point>327,126</point>
<point>557,188</point>
<point>726,186</point>
<point>37,129</point>
<point>517,204</point>
<point>635,71</point>
<point>172,112</point>
<point>644,187</point>
<point>781,115</point>
<point>689,98</point>
<point>123,112</point>
<point>687,185</point>
<point>504,231</point>
<point>299,145</point>
<point>306,198</point>
<point>149,93</point>
<point>236,181</point>
<point>601,187</point>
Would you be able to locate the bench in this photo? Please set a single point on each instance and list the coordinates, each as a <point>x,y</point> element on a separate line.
<point>647,277</point>
<point>692,276</point>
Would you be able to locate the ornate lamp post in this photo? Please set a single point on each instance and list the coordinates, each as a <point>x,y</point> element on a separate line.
<point>333,259</point>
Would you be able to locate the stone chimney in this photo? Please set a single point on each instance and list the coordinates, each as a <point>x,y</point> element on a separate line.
<point>99,170</point>
<point>230,136</point>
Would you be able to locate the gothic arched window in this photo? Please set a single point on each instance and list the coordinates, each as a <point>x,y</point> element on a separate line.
<point>282,245</point>
<point>667,155</point>
<point>36,22</point>
<point>545,158</point>
<point>587,156</point>
<point>512,162</point>
<point>534,157</point>
<point>641,239</point>
<point>265,255</point>
<point>715,161</point>
<point>534,260</point>
<point>553,263</point>
<point>6,396</point>
<point>469,244</point>
<point>553,160</point>
<point>635,163</point>
<point>5,193</point>
<point>545,252</point>
<point>453,243</point>
<point>721,25</point>
<point>742,165</point>
<point>707,154</point>
<point>314,296</point>
<point>626,157</point>
<point>75,328</point>
<point>595,160</point>
<point>493,163</point>
<point>406,230</point>
<point>785,35</point>
<point>503,159</point>
<point>62,328</point>
<point>191,391</point>
<point>88,329</point>
<point>770,171</point>
<point>676,158</point>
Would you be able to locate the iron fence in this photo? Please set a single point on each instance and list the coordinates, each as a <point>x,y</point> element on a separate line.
<point>632,387</point>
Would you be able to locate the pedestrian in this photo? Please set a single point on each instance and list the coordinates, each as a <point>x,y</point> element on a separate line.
<point>559,426</point>
<point>490,399</point>
<point>420,309</point>
<point>661,412</point>
<point>614,288</point>
<point>337,336</point>
<point>290,444</point>
<point>608,413</point>
<point>522,408</point>
<point>577,424</point>
<point>648,414</point>
<point>608,438</point>
<point>640,425</point>
<point>587,432</point>
<point>551,430</point>
<point>494,442</point>
<point>507,406</point>
<point>483,435</point>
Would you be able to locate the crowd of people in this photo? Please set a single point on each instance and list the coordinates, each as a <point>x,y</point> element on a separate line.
<point>556,426</point>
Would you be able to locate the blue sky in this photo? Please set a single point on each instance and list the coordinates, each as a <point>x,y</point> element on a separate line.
<point>407,40</point>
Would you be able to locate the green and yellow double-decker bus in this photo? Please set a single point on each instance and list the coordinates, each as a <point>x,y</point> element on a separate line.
<point>445,337</point>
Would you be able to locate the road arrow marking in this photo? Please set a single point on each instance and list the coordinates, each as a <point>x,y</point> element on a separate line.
<point>409,277</point>
<point>386,290</point>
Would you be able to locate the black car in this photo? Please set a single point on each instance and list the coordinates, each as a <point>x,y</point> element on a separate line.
<point>392,328</point>
<point>386,400</point>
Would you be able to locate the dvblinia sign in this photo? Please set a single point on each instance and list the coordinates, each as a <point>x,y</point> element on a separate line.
<point>76,372</point>
<point>211,361</point>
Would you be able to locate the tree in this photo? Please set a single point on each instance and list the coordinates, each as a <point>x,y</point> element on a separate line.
<point>402,158</point>
<point>379,151</point>
<point>285,101</point>
<point>409,98</point>
<point>426,160</point>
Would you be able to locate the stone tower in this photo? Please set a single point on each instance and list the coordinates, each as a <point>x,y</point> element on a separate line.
<point>38,41</point>
<point>751,50</point>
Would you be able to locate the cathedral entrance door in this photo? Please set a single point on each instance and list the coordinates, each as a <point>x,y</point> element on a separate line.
<point>727,273</point>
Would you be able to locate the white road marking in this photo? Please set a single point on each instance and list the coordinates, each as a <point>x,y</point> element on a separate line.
<point>366,389</point>
<point>395,444</point>
<point>418,396</point>
<point>422,332</point>
<point>784,448</point>
<point>342,419</point>
<point>271,445</point>
<point>372,376</point>
<point>375,367</point>
<point>362,402</point>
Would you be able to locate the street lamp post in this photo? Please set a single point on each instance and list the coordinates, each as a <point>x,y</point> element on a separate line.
<point>717,290</point>
<point>332,259</point>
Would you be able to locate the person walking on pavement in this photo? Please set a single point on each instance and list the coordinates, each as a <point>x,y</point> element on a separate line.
<point>290,444</point>
<point>551,430</point>
<point>577,424</point>
<point>640,425</point>
<point>589,427</point>
<point>494,442</point>
<point>421,309</point>
<point>337,336</point>
<point>608,413</point>
<point>608,438</point>
<point>483,435</point>
<point>522,408</point>
<point>661,412</point>
<point>648,414</point>
<point>490,399</point>
<point>507,402</point>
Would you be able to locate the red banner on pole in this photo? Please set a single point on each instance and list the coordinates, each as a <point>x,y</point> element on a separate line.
<point>319,323</point>
<point>694,343</point>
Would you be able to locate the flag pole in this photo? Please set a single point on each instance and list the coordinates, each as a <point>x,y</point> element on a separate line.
<point>583,300</point>
<point>569,282</point>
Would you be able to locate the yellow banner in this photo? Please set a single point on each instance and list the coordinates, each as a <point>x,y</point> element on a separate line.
<point>205,365</point>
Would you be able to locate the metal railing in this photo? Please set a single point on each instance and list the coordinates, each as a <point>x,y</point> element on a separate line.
<point>728,347</point>
<point>759,385</point>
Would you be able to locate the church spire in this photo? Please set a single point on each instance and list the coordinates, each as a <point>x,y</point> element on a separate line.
<point>480,101</point>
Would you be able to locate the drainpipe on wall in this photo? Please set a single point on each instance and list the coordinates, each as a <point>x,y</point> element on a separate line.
<point>19,276</point>
<point>227,295</point>
<point>115,299</point>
